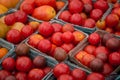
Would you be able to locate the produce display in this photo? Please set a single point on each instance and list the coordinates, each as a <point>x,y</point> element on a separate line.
<point>27,67</point>
<point>55,39</point>
<point>63,71</point>
<point>84,13</point>
<point>59,39</point>
<point>15,27</point>
<point>100,53</point>
<point>111,23</point>
<point>42,10</point>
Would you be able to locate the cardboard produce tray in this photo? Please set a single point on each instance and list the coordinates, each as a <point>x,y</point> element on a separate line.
<point>71,65</point>
<point>55,21</point>
<point>29,19</point>
<point>85,29</point>
<point>32,54</point>
<point>80,47</point>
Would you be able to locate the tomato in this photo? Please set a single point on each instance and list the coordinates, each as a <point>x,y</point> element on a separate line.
<point>44,45</point>
<point>101,49</point>
<point>79,74</point>
<point>26,31</point>
<point>13,36</point>
<point>94,39</point>
<point>60,69</point>
<point>107,69</point>
<point>21,76</point>
<point>65,77</point>
<point>8,64</point>
<point>114,59</point>
<point>36,74</point>
<point>3,74</point>
<point>90,49</point>
<point>95,76</point>
<point>23,64</point>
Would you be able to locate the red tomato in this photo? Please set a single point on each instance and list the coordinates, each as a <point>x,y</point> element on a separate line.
<point>95,76</point>
<point>114,59</point>
<point>94,39</point>
<point>90,49</point>
<point>60,69</point>
<point>13,36</point>
<point>79,74</point>
<point>65,77</point>
<point>3,74</point>
<point>8,64</point>
<point>21,76</point>
<point>23,64</point>
<point>26,31</point>
<point>36,74</point>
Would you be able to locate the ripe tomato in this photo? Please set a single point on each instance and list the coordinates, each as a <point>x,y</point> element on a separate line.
<point>65,77</point>
<point>23,64</point>
<point>79,74</point>
<point>60,69</point>
<point>14,36</point>
<point>21,76</point>
<point>8,64</point>
<point>95,76</point>
<point>90,49</point>
<point>36,74</point>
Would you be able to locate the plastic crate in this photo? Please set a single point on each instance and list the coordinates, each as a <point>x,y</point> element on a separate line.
<point>80,47</point>
<point>32,54</point>
<point>7,45</point>
<point>72,66</point>
<point>55,21</point>
<point>85,29</point>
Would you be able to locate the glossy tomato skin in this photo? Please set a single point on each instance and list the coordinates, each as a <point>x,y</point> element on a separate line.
<point>101,49</point>
<point>90,49</point>
<point>56,38</point>
<point>94,39</point>
<point>78,74</point>
<point>67,47</point>
<point>114,59</point>
<point>20,16</point>
<point>65,77</point>
<point>13,36</point>
<point>46,29</point>
<point>8,64</point>
<point>23,64</point>
<point>95,76</point>
<point>26,31</point>
<point>44,45</point>
<point>66,38</point>
<point>36,74</point>
<point>60,69</point>
<point>3,74</point>
<point>21,76</point>
<point>89,23</point>
<point>107,69</point>
<point>57,27</point>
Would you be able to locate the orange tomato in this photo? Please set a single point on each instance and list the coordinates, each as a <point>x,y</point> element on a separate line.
<point>3,52</point>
